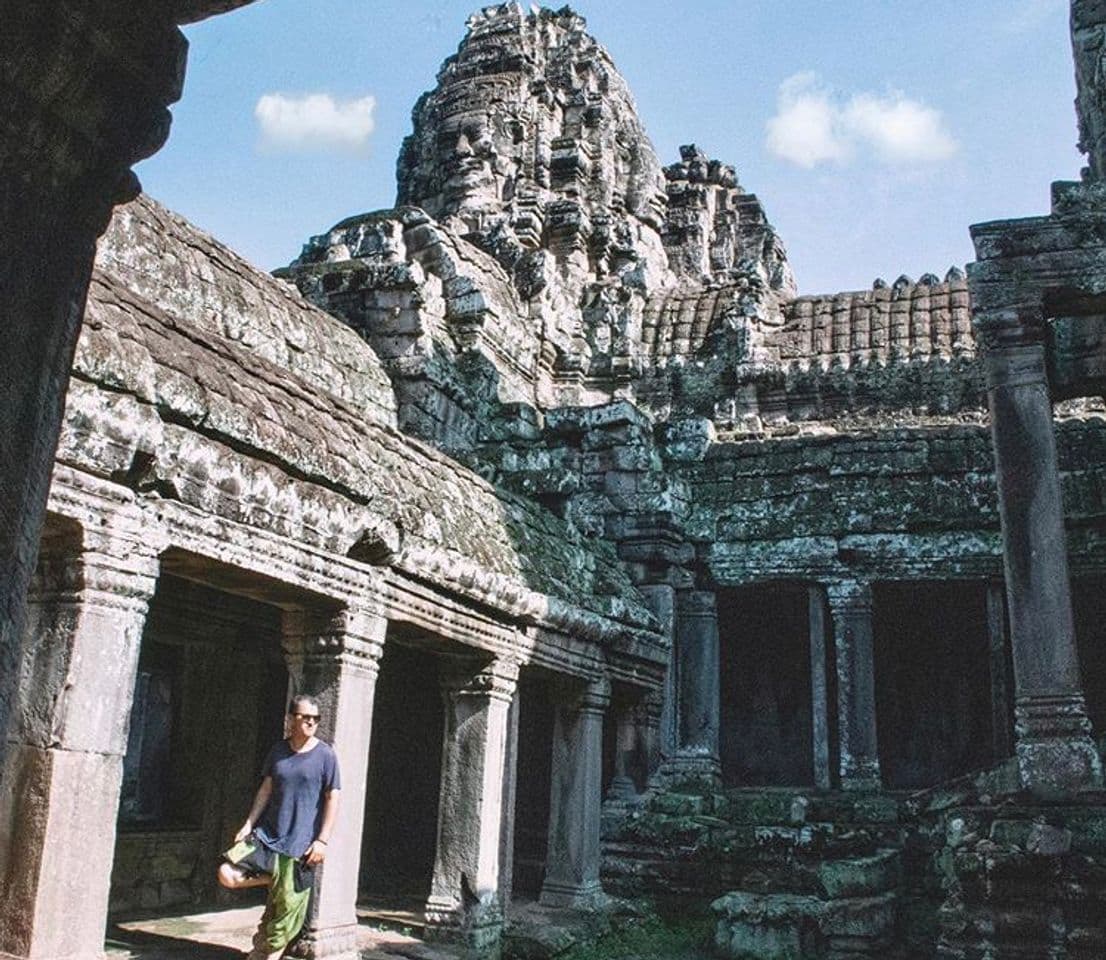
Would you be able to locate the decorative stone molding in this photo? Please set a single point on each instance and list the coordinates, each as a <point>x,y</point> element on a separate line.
<point>350,638</point>
<point>497,680</point>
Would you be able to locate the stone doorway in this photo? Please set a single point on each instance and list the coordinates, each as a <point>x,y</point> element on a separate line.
<point>933,681</point>
<point>404,780</point>
<point>765,711</point>
<point>1088,595</point>
<point>209,701</point>
<point>533,783</point>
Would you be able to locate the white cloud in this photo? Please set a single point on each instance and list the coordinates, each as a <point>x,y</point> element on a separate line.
<point>900,130</point>
<point>812,126</point>
<point>803,130</point>
<point>315,121</point>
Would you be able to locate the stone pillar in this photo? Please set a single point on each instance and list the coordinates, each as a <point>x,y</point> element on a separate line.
<point>464,902</point>
<point>627,724</point>
<point>819,690</point>
<point>572,864</point>
<point>697,686</point>
<point>999,656</point>
<point>850,605</point>
<point>336,658</point>
<point>86,86</point>
<point>510,791</point>
<point>660,598</point>
<point>59,792</point>
<point>650,713</point>
<point>1055,750</point>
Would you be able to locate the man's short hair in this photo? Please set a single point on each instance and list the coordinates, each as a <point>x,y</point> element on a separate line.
<point>301,700</point>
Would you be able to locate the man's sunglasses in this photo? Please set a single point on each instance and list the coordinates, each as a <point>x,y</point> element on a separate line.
<point>309,717</point>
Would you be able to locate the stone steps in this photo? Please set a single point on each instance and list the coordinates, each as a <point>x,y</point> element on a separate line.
<point>792,873</point>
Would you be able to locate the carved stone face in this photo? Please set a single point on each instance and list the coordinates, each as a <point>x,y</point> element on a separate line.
<point>528,106</point>
<point>476,174</point>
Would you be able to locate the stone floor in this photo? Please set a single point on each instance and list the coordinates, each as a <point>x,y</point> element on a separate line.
<point>389,931</point>
<point>225,934</point>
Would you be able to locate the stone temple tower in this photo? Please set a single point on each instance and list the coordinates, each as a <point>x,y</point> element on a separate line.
<point>537,233</point>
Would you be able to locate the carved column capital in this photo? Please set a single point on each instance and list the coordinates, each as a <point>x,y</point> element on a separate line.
<point>849,595</point>
<point>351,637</point>
<point>496,679</point>
<point>1012,343</point>
<point>83,566</point>
<point>594,697</point>
<point>648,709</point>
<point>697,603</point>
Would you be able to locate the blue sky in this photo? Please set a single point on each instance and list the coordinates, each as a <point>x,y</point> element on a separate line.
<point>873,132</point>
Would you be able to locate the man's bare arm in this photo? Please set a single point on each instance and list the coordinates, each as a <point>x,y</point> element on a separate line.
<point>260,802</point>
<point>316,853</point>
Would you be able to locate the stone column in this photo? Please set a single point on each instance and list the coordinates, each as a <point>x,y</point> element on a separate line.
<point>86,86</point>
<point>1055,750</point>
<point>464,902</point>
<point>850,605</point>
<point>59,792</point>
<point>627,723</point>
<point>999,651</point>
<point>819,690</point>
<point>336,658</point>
<point>510,791</point>
<point>661,600</point>
<point>572,864</point>
<point>650,713</point>
<point>697,686</point>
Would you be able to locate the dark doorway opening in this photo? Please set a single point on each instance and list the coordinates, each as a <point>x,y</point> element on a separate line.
<point>1088,594</point>
<point>209,702</point>
<point>534,781</point>
<point>933,681</point>
<point>764,635</point>
<point>405,760</point>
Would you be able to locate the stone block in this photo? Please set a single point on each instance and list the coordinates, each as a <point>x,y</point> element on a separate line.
<point>767,927</point>
<point>861,876</point>
<point>57,834</point>
<point>868,918</point>
<point>677,804</point>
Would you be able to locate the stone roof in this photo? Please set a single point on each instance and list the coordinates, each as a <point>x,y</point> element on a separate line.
<point>926,319</point>
<point>186,272</point>
<point>244,427</point>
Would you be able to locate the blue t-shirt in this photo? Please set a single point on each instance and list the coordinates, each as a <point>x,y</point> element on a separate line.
<point>301,781</point>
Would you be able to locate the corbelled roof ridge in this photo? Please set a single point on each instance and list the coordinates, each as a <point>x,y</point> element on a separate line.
<point>907,319</point>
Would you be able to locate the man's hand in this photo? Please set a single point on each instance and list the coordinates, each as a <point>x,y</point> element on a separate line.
<point>316,853</point>
<point>243,831</point>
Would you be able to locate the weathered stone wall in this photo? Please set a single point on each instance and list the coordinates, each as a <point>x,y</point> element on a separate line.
<point>904,502</point>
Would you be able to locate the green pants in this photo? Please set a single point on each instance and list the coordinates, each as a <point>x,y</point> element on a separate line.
<point>286,908</point>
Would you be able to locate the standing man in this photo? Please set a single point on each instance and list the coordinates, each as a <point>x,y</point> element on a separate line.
<point>285,835</point>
